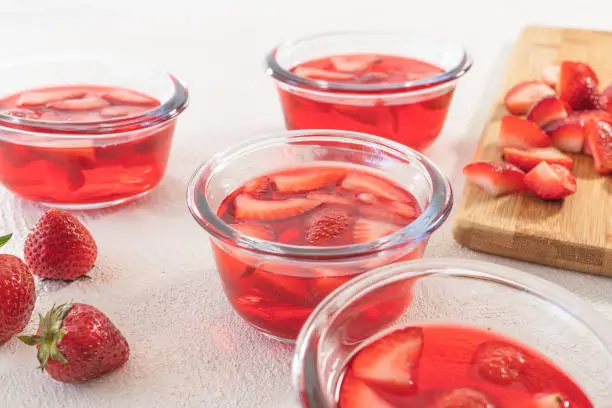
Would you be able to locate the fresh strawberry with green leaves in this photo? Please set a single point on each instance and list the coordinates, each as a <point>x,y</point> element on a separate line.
<point>60,247</point>
<point>18,294</point>
<point>76,342</point>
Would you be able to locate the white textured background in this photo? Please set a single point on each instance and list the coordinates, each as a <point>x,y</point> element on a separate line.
<point>155,276</point>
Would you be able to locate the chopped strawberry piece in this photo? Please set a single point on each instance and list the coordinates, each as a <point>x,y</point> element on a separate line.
<point>324,226</point>
<point>329,198</point>
<point>567,135</point>
<point>43,98</point>
<point>316,73</point>
<point>120,111</point>
<point>496,178</point>
<point>255,230</point>
<point>366,230</point>
<point>383,213</point>
<point>306,180</point>
<point>499,362</point>
<point>594,115</point>
<point>84,104</point>
<point>364,183</point>
<point>522,133</point>
<point>586,149</point>
<point>122,96</point>
<point>552,400</point>
<point>521,97</point>
<point>599,140</point>
<point>249,208</point>
<point>606,96</point>
<point>463,398</point>
<point>550,181</point>
<point>550,75</point>
<point>354,63</point>
<point>367,198</point>
<point>579,86</point>
<point>529,158</point>
<point>547,110</point>
<point>258,187</point>
<point>390,362</point>
<point>355,393</point>
<point>408,210</point>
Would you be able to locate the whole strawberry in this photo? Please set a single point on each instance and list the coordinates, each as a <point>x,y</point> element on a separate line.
<point>17,294</point>
<point>60,247</point>
<point>77,342</point>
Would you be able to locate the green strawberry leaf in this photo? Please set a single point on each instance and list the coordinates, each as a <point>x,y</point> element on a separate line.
<point>4,239</point>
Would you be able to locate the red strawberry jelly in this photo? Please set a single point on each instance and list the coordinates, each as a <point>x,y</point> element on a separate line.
<point>444,366</point>
<point>56,171</point>
<point>306,206</point>
<point>415,123</point>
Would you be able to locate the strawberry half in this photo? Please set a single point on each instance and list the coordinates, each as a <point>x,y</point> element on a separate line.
<point>579,86</point>
<point>250,208</point>
<point>325,226</point>
<point>529,158</point>
<point>355,393</point>
<point>84,104</point>
<point>496,178</point>
<point>550,75</point>
<point>498,362</point>
<point>521,97</point>
<point>550,181</point>
<point>567,135</point>
<point>316,73</point>
<point>354,63</point>
<point>547,110</point>
<point>518,132</point>
<point>301,181</point>
<point>599,140</point>
<point>463,398</point>
<point>390,362</point>
<point>365,230</point>
<point>364,183</point>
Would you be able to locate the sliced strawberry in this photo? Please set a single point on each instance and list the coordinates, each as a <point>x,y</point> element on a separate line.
<point>594,115</point>
<point>391,361</point>
<point>325,226</point>
<point>367,198</point>
<point>550,181</point>
<point>249,208</point>
<point>550,75</point>
<point>316,73</point>
<point>365,230</point>
<point>529,158</point>
<point>498,362</point>
<point>599,140</point>
<point>408,210</point>
<point>522,133</point>
<point>463,398</point>
<point>547,110</point>
<point>354,393</point>
<point>125,97</point>
<point>255,230</point>
<point>120,111</point>
<point>567,135</point>
<point>521,97</point>
<point>553,400</point>
<point>354,63</point>
<point>43,98</point>
<point>606,96</point>
<point>301,181</point>
<point>84,104</point>
<point>365,183</point>
<point>496,178</point>
<point>258,187</point>
<point>579,86</point>
<point>329,198</point>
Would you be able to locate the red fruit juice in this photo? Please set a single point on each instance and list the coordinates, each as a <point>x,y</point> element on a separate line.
<point>85,171</point>
<point>444,366</point>
<point>415,123</point>
<point>306,206</point>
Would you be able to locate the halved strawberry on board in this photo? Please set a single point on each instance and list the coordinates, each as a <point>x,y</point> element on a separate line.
<point>301,181</point>
<point>391,361</point>
<point>547,110</point>
<point>495,178</point>
<point>522,96</point>
<point>599,140</point>
<point>355,393</point>
<point>529,158</point>
<point>579,86</point>
<point>567,135</point>
<point>550,181</point>
<point>550,75</point>
<point>518,132</point>
<point>250,208</point>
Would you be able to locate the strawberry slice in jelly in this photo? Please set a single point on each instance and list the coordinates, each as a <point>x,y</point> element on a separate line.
<point>118,111</point>
<point>249,208</point>
<point>552,400</point>
<point>326,281</point>
<point>44,98</point>
<point>300,181</point>
<point>384,213</point>
<point>258,187</point>
<point>281,280</point>
<point>354,63</point>
<point>83,104</point>
<point>366,230</point>
<point>357,394</point>
<point>365,183</point>
<point>329,198</point>
<point>316,73</point>
<point>255,230</point>
<point>125,97</point>
<point>22,113</point>
<point>499,363</point>
<point>464,398</point>
<point>327,226</point>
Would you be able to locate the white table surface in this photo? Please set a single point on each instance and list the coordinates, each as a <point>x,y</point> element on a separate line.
<point>155,275</point>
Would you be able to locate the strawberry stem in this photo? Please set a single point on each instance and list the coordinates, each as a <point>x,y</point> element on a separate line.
<point>4,239</point>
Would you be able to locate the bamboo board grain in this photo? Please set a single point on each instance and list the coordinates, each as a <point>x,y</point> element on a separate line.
<point>574,234</point>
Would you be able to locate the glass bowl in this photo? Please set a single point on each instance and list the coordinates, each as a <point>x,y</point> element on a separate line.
<point>96,161</point>
<point>412,113</point>
<point>536,312</point>
<point>275,286</point>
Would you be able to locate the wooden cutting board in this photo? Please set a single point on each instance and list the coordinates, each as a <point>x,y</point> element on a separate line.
<point>574,234</point>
